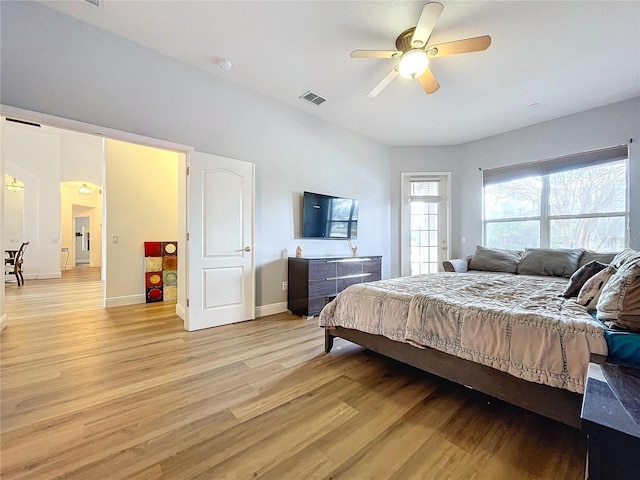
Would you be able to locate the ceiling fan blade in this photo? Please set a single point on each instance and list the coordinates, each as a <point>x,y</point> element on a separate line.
<point>475,44</point>
<point>383,83</point>
<point>428,18</point>
<point>375,54</point>
<point>428,81</point>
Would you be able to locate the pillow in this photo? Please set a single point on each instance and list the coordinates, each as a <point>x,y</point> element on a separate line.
<point>495,260</point>
<point>558,262</point>
<point>589,256</point>
<point>619,303</point>
<point>578,279</point>
<point>591,292</point>
<point>624,256</point>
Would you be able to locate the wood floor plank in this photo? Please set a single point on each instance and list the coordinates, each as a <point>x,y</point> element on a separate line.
<point>126,392</point>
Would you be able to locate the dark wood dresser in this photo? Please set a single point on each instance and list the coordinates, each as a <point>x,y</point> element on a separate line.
<point>611,421</point>
<point>313,279</point>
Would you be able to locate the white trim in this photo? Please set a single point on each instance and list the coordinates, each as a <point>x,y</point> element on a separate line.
<point>272,309</point>
<point>124,300</point>
<point>89,128</point>
<point>3,322</point>
<point>181,311</point>
<point>41,276</point>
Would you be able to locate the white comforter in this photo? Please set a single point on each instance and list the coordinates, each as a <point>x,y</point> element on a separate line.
<point>514,323</point>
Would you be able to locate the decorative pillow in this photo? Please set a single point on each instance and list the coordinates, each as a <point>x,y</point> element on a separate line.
<point>578,279</point>
<point>592,290</point>
<point>558,262</point>
<point>624,256</point>
<point>495,260</point>
<point>619,303</point>
<point>589,256</point>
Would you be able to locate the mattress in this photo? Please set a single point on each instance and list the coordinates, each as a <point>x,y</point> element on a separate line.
<point>514,323</point>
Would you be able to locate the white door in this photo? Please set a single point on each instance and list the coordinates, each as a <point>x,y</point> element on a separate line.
<point>425,222</point>
<point>220,211</point>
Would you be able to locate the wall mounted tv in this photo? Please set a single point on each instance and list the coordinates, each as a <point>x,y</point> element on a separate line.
<point>324,216</point>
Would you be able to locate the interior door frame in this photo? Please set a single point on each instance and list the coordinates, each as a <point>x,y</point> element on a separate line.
<point>121,135</point>
<point>405,254</point>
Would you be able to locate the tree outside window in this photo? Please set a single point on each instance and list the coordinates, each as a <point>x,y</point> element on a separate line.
<point>577,208</point>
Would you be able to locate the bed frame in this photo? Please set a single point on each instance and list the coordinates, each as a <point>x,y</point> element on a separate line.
<point>555,403</point>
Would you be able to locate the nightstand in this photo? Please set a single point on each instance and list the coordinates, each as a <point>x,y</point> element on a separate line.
<point>611,420</point>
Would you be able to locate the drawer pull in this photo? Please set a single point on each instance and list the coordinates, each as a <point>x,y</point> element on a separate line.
<point>345,260</point>
<point>357,275</point>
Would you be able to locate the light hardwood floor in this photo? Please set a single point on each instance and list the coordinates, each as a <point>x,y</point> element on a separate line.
<point>89,393</point>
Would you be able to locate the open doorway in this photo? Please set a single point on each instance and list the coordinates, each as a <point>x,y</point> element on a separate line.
<point>82,244</point>
<point>68,199</point>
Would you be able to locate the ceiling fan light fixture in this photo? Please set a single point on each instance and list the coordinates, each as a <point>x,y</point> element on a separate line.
<point>413,63</point>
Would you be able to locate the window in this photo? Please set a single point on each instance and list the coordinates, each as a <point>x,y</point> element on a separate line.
<point>578,201</point>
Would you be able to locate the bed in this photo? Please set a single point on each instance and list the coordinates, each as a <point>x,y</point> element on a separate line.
<point>510,336</point>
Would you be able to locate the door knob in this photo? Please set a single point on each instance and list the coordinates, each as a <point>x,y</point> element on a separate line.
<point>247,249</point>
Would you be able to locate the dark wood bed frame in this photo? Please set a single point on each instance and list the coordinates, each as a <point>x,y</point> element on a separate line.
<point>555,403</point>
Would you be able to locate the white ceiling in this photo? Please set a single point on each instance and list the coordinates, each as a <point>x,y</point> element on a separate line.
<point>567,56</point>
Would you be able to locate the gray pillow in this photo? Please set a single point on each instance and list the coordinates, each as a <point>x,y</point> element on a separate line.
<point>578,279</point>
<point>589,256</point>
<point>557,262</point>
<point>495,260</point>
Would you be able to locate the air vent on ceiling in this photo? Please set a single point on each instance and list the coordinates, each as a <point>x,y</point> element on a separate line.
<point>313,98</point>
<point>94,2</point>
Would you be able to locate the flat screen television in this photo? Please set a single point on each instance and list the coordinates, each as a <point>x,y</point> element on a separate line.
<point>324,216</point>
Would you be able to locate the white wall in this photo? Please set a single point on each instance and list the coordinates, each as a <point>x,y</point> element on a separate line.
<point>422,159</point>
<point>590,130</point>
<point>89,75</point>
<point>81,157</point>
<point>13,227</point>
<point>141,194</point>
<point>598,128</point>
<point>34,157</point>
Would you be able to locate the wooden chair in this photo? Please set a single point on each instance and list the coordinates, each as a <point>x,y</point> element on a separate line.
<point>13,265</point>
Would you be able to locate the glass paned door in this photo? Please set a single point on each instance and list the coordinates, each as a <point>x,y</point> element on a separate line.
<point>424,237</point>
<point>425,224</point>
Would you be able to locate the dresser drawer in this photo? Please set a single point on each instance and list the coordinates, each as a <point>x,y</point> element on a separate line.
<point>349,268</point>
<point>374,267</point>
<point>321,270</point>
<point>346,282</point>
<point>321,288</point>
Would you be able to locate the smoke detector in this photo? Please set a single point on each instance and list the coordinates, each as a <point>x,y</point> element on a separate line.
<point>224,64</point>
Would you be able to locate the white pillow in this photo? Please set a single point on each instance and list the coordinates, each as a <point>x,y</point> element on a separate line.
<point>624,256</point>
<point>619,303</point>
<point>592,289</point>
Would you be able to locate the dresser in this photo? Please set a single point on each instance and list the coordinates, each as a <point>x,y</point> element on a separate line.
<point>313,279</point>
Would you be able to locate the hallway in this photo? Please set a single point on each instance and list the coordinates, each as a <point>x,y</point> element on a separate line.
<point>78,289</point>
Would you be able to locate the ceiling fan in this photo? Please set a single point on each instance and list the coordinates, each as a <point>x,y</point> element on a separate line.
<point>414,51</point>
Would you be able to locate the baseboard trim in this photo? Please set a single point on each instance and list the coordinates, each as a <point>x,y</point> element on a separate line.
<point>272,309</point>
<point>125,300</point>
<point>40,276</point>
<point>3,322</point>
<point>181,311</point>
